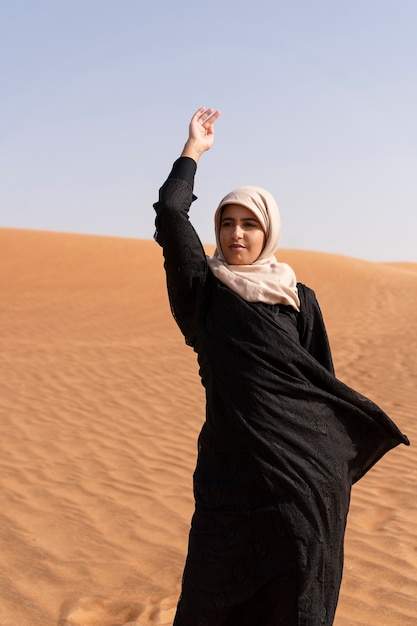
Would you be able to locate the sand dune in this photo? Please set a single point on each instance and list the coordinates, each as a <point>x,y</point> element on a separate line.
<point>100,407</point>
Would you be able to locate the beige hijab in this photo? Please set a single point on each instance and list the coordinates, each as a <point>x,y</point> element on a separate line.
<point>265,280</point>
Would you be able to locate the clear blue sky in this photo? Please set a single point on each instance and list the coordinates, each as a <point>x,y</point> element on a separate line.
<point>318,101</point>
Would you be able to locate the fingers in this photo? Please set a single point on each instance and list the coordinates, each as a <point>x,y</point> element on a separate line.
<point>205,117</point>
<point>211,119</point>
<point>202,113</point>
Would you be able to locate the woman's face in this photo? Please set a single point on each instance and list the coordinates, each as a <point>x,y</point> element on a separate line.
<point>241,236</point>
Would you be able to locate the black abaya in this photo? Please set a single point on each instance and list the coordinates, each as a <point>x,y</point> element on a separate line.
<point>282,443</point>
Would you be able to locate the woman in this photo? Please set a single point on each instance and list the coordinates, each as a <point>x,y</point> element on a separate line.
<point>283,439</point>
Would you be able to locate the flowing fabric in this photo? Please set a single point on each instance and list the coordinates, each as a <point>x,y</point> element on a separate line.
<point>282,443</point>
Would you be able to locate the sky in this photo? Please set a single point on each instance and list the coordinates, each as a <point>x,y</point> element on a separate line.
<point>318,102</point>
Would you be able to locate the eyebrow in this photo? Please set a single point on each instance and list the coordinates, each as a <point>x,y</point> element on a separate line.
<point>243,219</point>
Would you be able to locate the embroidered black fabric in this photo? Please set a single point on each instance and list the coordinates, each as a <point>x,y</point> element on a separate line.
<point>282,444</point>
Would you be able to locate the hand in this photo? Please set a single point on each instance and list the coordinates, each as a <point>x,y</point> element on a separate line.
<point>201,133</point>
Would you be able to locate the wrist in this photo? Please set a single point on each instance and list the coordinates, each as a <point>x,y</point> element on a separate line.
<point>193,149</point>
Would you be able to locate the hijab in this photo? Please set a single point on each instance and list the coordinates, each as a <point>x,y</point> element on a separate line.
<point>264,280</point>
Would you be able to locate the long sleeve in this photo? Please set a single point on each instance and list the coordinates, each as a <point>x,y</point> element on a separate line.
<point>185,259</point>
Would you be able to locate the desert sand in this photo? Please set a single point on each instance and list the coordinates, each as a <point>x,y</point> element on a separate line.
<point>100,408</point>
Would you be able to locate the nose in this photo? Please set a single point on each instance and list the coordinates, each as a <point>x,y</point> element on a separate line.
<point>237,232</point>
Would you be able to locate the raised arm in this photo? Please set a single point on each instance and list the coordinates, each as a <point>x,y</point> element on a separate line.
<point>185,259</point>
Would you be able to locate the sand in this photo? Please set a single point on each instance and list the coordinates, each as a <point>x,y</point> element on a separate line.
<point>100,408</point>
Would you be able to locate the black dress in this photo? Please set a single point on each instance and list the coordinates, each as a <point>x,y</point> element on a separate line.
<point>282,443</point>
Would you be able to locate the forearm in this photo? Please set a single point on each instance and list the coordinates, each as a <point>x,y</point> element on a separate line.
<point>184,169</point>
